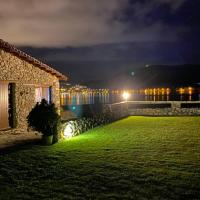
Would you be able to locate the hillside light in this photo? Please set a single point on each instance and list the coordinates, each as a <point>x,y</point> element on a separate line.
<point>125,95</point>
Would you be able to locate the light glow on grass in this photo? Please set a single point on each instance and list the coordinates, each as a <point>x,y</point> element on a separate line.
<point>157,157</point>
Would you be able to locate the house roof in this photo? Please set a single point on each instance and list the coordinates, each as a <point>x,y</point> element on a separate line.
<point>13,50</point>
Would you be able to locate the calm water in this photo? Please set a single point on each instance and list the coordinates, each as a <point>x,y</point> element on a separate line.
<point>102,98</point>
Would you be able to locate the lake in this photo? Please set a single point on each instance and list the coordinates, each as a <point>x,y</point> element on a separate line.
<point>107,98</point>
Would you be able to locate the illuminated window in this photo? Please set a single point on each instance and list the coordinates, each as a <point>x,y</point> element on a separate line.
<point>43,93</point>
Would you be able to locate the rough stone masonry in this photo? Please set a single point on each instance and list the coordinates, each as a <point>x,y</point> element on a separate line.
<point>26,73</point>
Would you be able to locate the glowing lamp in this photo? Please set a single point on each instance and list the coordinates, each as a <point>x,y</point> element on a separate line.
<point>68,131</point>
<point>125,96</point>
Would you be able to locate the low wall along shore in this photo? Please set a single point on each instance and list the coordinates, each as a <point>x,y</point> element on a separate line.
<point>155,108</point>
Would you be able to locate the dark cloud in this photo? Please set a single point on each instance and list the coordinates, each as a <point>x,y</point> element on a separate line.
<point>78,23</point>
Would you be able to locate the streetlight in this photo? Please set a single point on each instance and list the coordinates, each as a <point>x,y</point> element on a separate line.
<point>125,95</point>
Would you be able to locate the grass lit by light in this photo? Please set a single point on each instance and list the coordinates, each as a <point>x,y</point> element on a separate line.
<point>134,158</point>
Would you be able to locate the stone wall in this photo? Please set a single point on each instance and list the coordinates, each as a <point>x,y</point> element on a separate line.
<point>117,110</point>
<point>165,112</point>
<point>26,77</point>
<point>172,108</point>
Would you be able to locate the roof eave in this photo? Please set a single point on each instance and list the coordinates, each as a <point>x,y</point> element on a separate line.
<point>13,50</point>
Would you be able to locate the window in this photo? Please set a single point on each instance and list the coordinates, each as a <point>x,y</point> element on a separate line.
<point>43,93</point>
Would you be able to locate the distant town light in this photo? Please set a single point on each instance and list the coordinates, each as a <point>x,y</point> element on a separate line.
<point>190,90</point>
<point>125,95</point>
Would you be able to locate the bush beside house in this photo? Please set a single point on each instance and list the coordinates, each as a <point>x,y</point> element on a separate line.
<point>45,119</point>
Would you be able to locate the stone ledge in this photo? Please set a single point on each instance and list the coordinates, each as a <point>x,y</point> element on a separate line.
<point>175,110</point>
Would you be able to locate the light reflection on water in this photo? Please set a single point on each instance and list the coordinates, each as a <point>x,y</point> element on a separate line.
<point>105,98</point>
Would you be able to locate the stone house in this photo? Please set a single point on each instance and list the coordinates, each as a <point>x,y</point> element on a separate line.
<point>24,81</point>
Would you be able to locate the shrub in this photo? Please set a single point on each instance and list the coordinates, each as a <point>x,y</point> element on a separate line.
<point>92,118</point>
<point>45,119</point>
<point>78,126</point>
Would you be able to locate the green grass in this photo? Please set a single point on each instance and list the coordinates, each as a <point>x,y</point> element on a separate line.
<point>135,158</point>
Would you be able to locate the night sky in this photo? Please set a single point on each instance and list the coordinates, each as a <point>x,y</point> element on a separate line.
<point>99,40</point>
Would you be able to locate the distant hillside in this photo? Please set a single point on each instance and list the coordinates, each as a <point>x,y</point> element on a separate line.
<point>106,62</point>
<point>152,76</point>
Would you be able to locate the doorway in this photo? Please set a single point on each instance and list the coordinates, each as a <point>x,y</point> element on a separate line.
<point>4,104</point>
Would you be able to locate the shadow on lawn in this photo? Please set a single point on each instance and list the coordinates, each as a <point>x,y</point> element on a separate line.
<point>21,145</point>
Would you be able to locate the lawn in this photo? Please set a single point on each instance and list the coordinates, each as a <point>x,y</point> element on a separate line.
<point>134,158</point>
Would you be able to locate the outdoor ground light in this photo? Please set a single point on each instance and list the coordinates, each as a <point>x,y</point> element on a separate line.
<point>125,95</point>
<point>68,130</point>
